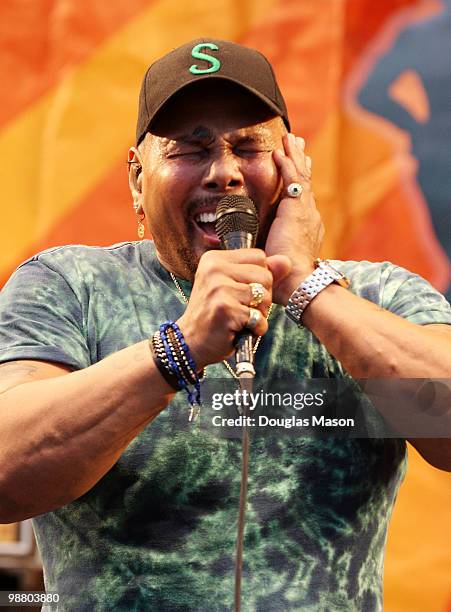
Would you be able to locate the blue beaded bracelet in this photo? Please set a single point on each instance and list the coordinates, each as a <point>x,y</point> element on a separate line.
<point>184,379</point>
<point>185,348</point>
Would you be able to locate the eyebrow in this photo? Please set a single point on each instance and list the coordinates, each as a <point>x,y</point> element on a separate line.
<point>202,134</point>
<point>251,139</point>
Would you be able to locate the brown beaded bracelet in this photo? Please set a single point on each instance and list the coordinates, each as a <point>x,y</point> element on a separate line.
<point>158,357</point>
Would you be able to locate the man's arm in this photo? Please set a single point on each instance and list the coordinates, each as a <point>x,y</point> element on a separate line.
<point>372,342</point>
<point>60,432</point>
<point>369,341</point>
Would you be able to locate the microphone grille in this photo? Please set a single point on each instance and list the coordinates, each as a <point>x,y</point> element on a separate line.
<point>236,213</point>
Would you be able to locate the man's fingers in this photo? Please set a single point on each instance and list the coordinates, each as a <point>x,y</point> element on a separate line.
<point>250,256</point>
<point>294,149</point>
<point>290,174</point>
<point>248,273</point>
<point>280,266</point>
<point>294,165</point>
<point>255,321</point>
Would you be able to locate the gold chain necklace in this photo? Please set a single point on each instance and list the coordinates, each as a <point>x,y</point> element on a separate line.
<point>226,363</point>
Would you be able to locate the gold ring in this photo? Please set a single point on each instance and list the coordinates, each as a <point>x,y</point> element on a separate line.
<point>254,317</point>
<point>258,291</point>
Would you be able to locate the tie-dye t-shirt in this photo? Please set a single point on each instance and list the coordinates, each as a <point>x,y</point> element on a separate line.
<point>158,531</point>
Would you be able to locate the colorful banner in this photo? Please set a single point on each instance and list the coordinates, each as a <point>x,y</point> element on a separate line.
<point>367,85</point>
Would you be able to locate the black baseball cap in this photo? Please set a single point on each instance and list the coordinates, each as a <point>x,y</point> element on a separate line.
<point>207,58</point>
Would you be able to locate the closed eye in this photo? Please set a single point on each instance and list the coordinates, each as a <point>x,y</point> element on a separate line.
<point>192,152</point>
<point>250,150</point>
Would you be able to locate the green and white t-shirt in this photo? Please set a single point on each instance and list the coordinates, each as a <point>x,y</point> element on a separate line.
<point>158,531</point>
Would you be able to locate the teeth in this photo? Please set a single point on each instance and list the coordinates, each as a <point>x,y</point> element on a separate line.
<point>206,217</point>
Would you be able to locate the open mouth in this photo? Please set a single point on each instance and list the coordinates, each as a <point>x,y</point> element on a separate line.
<point>206,224</point>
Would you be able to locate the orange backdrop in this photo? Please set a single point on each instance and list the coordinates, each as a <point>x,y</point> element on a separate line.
<point>359,87</point>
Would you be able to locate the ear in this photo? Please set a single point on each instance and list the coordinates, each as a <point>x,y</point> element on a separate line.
<point>135,178</point>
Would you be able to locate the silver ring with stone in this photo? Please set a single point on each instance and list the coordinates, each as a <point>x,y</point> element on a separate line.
<point>254,317</point>
<point>258,291</point>
<point>294,190</point>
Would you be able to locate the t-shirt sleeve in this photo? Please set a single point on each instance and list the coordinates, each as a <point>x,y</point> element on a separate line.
<point>412,297</point>
<point>41,318</point>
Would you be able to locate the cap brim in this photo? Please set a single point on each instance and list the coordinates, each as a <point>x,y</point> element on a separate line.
<point>267,101</point>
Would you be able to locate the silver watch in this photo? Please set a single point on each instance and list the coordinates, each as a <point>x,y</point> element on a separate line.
<point>323,276</point>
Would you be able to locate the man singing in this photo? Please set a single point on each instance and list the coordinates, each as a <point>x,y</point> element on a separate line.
<point>134,507</point>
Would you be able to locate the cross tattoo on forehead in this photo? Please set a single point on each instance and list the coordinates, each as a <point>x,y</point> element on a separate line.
<point>203,132</point>
<point>200,133</point>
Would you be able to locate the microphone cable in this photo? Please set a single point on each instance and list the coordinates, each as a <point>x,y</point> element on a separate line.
<point>246,384</point>
<point>237,227</point>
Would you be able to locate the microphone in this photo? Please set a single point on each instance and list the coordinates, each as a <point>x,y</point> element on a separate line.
<point>237,228</point>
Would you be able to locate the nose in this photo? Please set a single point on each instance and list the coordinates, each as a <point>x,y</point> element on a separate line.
<point>224,173</point>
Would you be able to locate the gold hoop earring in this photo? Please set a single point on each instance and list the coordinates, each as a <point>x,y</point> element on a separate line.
<point>141,228</point>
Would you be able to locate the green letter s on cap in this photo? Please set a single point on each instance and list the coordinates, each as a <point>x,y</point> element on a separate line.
<point>196,52</point>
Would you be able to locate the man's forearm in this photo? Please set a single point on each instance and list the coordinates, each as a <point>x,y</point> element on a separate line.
<point>59,436</point>
<point>371,342</point>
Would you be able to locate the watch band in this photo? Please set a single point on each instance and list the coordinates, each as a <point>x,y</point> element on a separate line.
<point>323,276</point>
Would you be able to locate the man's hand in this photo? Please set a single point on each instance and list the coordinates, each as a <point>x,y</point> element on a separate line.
<point>297,230</point>
<point>219,304</point>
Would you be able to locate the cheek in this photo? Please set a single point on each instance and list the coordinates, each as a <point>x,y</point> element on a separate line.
<point>266,178</point>
<point>168,179</point>
<point>165,191</point>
